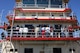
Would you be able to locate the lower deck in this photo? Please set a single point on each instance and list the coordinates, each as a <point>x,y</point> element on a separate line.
<point>42,47</point>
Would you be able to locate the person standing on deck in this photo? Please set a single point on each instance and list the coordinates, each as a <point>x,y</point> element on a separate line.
<point>36,31</point>
<point>43,31</point>
<point>47,31</point>
<point>51,31</point>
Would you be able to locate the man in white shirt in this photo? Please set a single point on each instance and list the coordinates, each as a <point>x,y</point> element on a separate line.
<point>36,31</point>
<point>25,31</point>
<point>21,30</point>
<point>47,30</point>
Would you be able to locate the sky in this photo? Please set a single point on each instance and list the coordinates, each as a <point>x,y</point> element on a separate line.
<point>8,5</point>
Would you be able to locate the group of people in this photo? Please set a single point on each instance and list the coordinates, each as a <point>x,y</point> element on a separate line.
<point>76,33</point>
<point>70,32</point>
<point>45,31</point>
<point>36,30</point>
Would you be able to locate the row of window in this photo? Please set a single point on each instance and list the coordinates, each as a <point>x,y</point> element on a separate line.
<point>53,2</point>
<point>30,50</point>
<point>55,50</point>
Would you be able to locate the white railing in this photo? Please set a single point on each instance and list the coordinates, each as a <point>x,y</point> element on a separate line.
<point>20,5</point>
<point>44,17</point>
<point>55,33</point>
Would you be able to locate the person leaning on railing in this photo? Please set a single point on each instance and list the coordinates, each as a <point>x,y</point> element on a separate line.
<point>3,35</point>
<point>37,31</point>
<point>21,30</point>
<point>42,31</point>
<point>51,30</point>
<point>25,31</point>
<point>66,32</point>
<point>76,33</point>
<point>62,31</point>
<point>70,30</point>
<point>47,31</point>
<point>6,26</point>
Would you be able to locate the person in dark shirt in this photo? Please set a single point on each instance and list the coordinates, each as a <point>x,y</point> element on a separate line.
<point>3,35</point>
<point>8,27</point>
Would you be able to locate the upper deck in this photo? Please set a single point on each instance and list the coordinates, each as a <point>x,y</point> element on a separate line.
<point>41,4</point>
<point>42,16</point>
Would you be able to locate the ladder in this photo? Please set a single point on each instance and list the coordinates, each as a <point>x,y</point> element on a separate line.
<point>6,46</point>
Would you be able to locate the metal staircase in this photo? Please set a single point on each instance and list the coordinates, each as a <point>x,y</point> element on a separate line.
<point>6,46</point>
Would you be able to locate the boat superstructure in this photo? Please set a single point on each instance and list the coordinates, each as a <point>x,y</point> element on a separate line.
<point>41,26</point>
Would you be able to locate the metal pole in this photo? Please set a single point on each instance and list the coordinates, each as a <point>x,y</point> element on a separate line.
<point>1,16</point>
<point>49,5</point>
<point>12,28</point>
<point>12,25</point>
<point>72,14</point>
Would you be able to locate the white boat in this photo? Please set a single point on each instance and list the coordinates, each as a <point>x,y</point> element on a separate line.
<point>41,26</point>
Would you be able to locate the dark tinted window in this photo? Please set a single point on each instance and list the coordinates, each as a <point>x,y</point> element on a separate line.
<point>28,50</point>
<point>42,1</point>
<point>57,50</point>
<point>29,26</point>
<point>28,2</point>
<point>56,2</point>
<point>57,26</point>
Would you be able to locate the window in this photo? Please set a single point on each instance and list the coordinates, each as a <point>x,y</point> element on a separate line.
<point>28,50</point>
<point>42,1</point>
<point>33,14</point>
<point>58,28</point>
<point>57,50</point>
<point>43,25</point>
<point>28,2</point>
<point>56,2</point>
<point>30,26</point>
